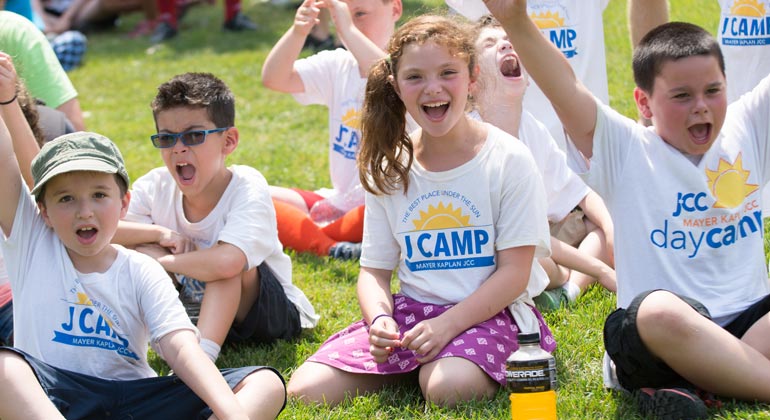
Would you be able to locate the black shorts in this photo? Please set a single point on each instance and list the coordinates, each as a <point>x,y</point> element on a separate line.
<point>635,366</point>
<point>79,396</point>
<point>272,316</point>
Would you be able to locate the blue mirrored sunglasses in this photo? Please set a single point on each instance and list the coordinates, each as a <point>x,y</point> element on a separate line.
<point>189,138</point>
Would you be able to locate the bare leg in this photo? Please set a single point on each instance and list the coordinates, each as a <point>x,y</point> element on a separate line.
<point>21,396</point>
<point>702,352</point>
<point>557,274</point>
<point>216,314</point>
<point>318,383</point>
<point>289,196</point>
<point>594,245</point>
<point>261,394</point>
<point>451,380</point>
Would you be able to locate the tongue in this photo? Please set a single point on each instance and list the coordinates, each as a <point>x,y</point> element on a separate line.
<point>509,69</point>
<point>436,111</point>
<point>186,172</point>
<point>87,234</point>
<point>699,131</point>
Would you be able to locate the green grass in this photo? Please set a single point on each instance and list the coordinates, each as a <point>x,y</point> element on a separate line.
<point>287,143</point>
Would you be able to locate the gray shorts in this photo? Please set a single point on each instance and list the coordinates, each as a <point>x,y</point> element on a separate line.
<point>79,396</point>
<point>272,316</point>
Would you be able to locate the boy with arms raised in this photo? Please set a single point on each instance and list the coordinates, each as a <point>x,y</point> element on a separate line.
<point>84,310</point>
<point>212,225</point>
<point>685,198</point>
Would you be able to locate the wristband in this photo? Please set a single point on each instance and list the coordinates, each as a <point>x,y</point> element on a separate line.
<point>15,95</point>
<point>380,316</point>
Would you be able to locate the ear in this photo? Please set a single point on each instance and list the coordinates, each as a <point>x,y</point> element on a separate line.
<point>474,78</point>
<point>642,100</point>
<point>44,213</point>
<point>124,204</point>
<point>392,81</point>
<point>231,140</point>
<point>398,9</point>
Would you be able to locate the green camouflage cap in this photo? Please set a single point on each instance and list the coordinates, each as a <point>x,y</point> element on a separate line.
<point>81,151</point>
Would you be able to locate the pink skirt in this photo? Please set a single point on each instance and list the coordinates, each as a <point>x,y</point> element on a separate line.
<point>487,344</point>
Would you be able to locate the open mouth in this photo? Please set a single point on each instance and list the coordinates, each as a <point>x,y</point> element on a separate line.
<point>86,233</point>
<point>436,110</point>
<point>510,67</point>
<point>185,171</point>
<point>700,133</point>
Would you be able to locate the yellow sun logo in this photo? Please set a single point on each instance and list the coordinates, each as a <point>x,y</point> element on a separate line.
<point>547,20</point>
<point>83,299</point>
<point>728,183</point>
<point>441,218</point>
<point>747,8</point>
<point>352,119</point>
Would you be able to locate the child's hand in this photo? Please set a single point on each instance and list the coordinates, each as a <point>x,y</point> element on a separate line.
<point>383,338</point>
<point>505,10</point>
<point>427,338</point>
<point>340,14</point>
<point>7,77</point>
<point>175,242</point>
<point>306,17</point>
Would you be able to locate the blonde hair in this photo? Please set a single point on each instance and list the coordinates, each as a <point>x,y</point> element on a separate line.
<point>386,152</point>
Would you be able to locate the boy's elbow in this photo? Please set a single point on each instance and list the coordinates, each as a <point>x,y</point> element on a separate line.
<point>230,265</point>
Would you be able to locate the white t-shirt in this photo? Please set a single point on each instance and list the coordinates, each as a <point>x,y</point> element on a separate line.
<point>691,229</point>
<point>442,235</point>
<point>563,187</point>
<point>244,217</point>
<point>744,37</point>
<point>332,78</point>
<point>98,324</point>
<point>576,28</point>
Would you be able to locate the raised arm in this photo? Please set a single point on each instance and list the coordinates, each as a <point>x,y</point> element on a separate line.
<point>574,104</point>
<point>278,71</point>
<point>366,51</point>
<point>10,174</point>
<point>25,145</point>
<point>644,15</point>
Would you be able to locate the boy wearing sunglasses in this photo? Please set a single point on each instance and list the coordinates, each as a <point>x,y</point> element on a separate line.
<point>213,226</point>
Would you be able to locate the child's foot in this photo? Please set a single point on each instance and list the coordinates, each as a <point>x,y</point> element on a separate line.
<point>551,300</point>
<point>670,404</point>
<point>239,22</point>
<point>345,251</point>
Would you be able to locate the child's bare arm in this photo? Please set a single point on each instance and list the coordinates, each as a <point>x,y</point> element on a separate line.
<point>185,356</point>
<point>363,49</point>
<point>509,281</point>
<point>644,15</point>
<point>375,299</point>
<point>131,234</point>
<point>278,71</point>
<point>221,261</point>
<point>574,259</point>
<point>25,146</point>
<point>10,174</point>
<point>572,101</point>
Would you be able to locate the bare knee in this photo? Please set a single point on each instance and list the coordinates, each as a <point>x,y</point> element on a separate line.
<point>12,364</point>
<point>663,314</point>
<point>264,381</point>
<point>455,382</point>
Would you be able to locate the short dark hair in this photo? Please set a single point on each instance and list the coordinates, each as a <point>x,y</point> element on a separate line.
<point>197,90</point>
<point>670,42</point>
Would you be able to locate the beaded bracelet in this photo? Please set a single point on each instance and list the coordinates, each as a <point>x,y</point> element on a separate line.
<point>15,95</point>
<point>379,316</point>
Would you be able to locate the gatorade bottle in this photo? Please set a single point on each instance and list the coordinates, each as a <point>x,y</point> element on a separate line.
<point>531,377</point>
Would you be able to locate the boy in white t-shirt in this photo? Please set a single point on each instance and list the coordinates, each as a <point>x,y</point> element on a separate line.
<point>102,303</point>
<point>211,225</point>
<point>336,79</point>
<point>685,198</point>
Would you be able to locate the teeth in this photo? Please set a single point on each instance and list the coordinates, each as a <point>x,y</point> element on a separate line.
<point>87,228</point>
<point>181,164</point>
<point>436,105</point>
